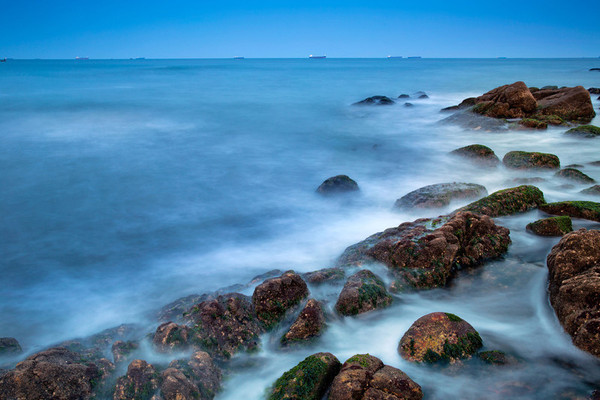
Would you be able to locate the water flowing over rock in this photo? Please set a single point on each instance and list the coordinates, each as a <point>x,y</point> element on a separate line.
<point>337,184</point>
<point>309,325</point>
<point>364,291</point>
<point>439,337</point>
<point>574,175</point>
<point>56,373</point>
<point>555,226</point>
<point>195,379</point>
<point>530,160</point>
<point>508,201</point>
<point>309,380</point>
<point>440,195</point>
<point>364,376</point>
<point>478,154</point>
<point>593,191</point>
<point>275,296</point>
<point>423,254</point>
<point>140,383</point>
<point>574,209</point>
<point>574,274</point>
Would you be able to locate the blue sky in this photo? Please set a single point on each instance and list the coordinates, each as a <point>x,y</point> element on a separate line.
<point>197,29</point>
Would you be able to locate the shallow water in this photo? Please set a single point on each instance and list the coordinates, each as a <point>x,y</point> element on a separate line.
<point>128,184</point>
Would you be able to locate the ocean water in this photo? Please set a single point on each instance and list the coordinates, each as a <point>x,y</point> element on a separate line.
<point>129,184</point>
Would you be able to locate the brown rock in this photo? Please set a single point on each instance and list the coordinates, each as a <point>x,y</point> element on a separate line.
<point>555,226</point>
<point>508,101</point>
<point>309,324</point>
<point>140,383</point>
<point>275,296</point>
<point>508,201</point>
<point>196,378</point>
<point>575,209</point>
<point>122,350</point>
<point>575,175</point>
<point>170,336</point>
<point>593,190</point>
<point>324,275</point>
<point>56,373</point>
<point>439,337</point>
<point>572,104</point>
<point>364,291</point>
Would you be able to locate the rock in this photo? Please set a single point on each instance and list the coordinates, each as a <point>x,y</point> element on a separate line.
<point>122,350</point>
<point>465,104</point>
<point>508,201</point>
<point>479,154</point>
<point>366,377</point>
<point>469,120</point>
<point>275,296</point>
<point>594,69</point>
<point>574,209</point>
<point>196,378</point>
<point>420,95</point>
<point>309,325</point>
<point>309,380</point>
<point>175,310</point>
<point>508,101</point>
<point>593,191</point>
<point>407,104</point>
<point>423,96</point>
<point>324,275</point>
<point>572,104</point>
<point>595,163</point>
<point>440,195</point>
<point>225,325</point>
<point>337,184</point>
<point>574,166</point>
<point>533,123</point>
<point>403,96</point>
<point>574,275</point>
<point>422,254</point>
<point>9,346</point>
<point>594,90</point>
<point>530,160</point>
<point>574,175</point>
<point>439,337</point>
<point>364,291</point>
<point>375,101</point>
<point>495,357</point>
<point>555,226</point>
<point>585,131</point>
<point>140,383</point>
<point>56,374</point>
<point>170,336</point>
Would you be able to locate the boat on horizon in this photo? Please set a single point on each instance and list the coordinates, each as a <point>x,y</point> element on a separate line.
<point>238,57</point>
<point>414,57</point>
<point>2,59</point>
<point>313,56</point>
<point>395,57</point>
<point>82,58</point>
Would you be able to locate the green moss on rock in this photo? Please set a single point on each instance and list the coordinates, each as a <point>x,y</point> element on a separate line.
<point>508,201</point>
<point>530,160</point>
<point>575,175</point>
<point>554,226</point>
<point>574,209</point>
<point>585,131</point>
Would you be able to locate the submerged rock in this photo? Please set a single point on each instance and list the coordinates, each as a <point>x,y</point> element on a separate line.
<point>170,336</point>
<point>275,296</point>
<point>440,195</point>
<point>309,380</point>
<point>375,101</point>
<point>195,379</point>
<point>574,209</point>
<point>574,275</point>
<point>324,275</point>
<point>469,120</point>
<point>309,324</point>
<point>530,160</point>
<point>575,175</point>
<point>364,291</point>
<point>9,346</point>
<point>56,373</point>
<point>555,226</point>
<point>439,337</point>
<point>495,357</point>
<point>585,131</point>
<point>423,254</point>
<point>140,383</point>
<point>403,96</point>
<point>508,201</point>
<point>364,376</point>
<point>337,184</point>
<point>594,190</point>
<point>479,154</point>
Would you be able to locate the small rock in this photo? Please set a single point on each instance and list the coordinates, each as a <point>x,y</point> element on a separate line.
<point>324,275</point>
<point>439,337</point>
<point>533,123</point>
<point>594,90</point>
<point>574,209</point>
<point>9,346</point>
<point>338,184</point>
<point>574,166</point>
<point>585,131</point>
<point>121,350</point>
<point>275,296</point>
<point>407,104</point>
<point>530,160</point>
<point>364,291</point>
<point>309,325</point>
<point>403,96</point>
<point>469,120</point>
<point>593,191</point>
<point>555,226</point>
<point>170,336</point>
<point>508,201</point>
<point>527,181</point>
<point>375,101</point>
<point>420,95</point>
<point>594,69</point>
<point>140,383</point>
<point>479,154</point>
<point>574,175</point>
<point>495,357</point>
<point>423,96</point>
<point>440,195</point>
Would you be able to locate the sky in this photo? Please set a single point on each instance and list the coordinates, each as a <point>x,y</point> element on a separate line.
<point>350,28</point>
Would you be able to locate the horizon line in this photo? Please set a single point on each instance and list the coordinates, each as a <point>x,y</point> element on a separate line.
<point>239,58</point>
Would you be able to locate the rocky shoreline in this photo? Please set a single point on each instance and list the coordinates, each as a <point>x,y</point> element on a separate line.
<point>198,336</point>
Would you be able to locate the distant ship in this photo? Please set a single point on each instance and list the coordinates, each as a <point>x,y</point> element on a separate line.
<point>3,60</point>
<point>238,58</point>
<point>415,57</point>
<point>82,58</point>
<point>311,56</point>
<point>394,56</point>
<point>138,58</point>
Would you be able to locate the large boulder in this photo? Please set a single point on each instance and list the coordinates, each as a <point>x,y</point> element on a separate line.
<point>508,101</point>
<point>309,324</point>
<point>422,254</point>
<point>570,103</point>
<point>585,131</point>
<point>508,201</point>
<point>530,160</point>
<point>440,195</point>
<point>574,275</point>
<point>575,175</point>
<point>337,184</point>
<point>554,226</point>
<point>275,296</point>
<point>309,380</point>
<point>574,209</point>
<point>56,373</point>
<point>364,291</point>
<point>439,337</point>
<point>140,383</point>
<point>364,376</point>
<point>225,325</point>
<point>479,154</point>
<point>195,379</point>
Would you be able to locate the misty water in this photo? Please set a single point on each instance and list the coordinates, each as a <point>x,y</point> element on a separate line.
<point>129,184</point>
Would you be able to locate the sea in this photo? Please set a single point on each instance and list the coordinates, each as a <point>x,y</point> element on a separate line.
<point>127,184</point>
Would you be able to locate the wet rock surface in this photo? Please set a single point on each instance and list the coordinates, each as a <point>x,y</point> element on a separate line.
<point>478,154</point>
<point>508,101</point>
<point>325,275</point>
<point>574,175</point>
<point>440,195</point>
<point>574,209</point>
<point>570,103</point>
<point>274,297</point>
<point>338,184</point>
<point>375,101</point>
<point>9,346</point>
<point>555,226</point>
<point>121,350</point>
<point>585,131</point>
<point>140,383</point>
<point>530,160</point>
<point>574,275</point>
<point>309,325</point>
<point>508,201</point>
<point>467,119</point>
<point>439,337</point>
<point>170,336</point>
<point>364,291</point>
<point>197,378</point>
<point>593,191</point>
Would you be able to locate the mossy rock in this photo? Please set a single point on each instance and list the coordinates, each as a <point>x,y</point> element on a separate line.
<point>530,160</point>
<point>574,209</point>
<point>309,325</point>
<point>575,175</point>
<point>478,154</point>
<point>496,357</point>
<point>533,123</point>
<point>554,226</point>
<point>584,131</point>
<point>508,201</point>
<point>363,292</point>
<point>309,380</point>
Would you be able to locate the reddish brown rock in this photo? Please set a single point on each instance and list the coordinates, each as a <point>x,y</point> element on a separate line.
<point>170,336</point>
<point>554,226</point>
<point>275,296</point>
<point>508,101</point>
<point>140,383</point>
<point>309,324</point>
<point>324,275</point>
<point>195,379</point>
<point>364,291</point>
<point>439,337</point>
<point>572,103</point>
<point>575,209</point>
<point>56,374</point>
